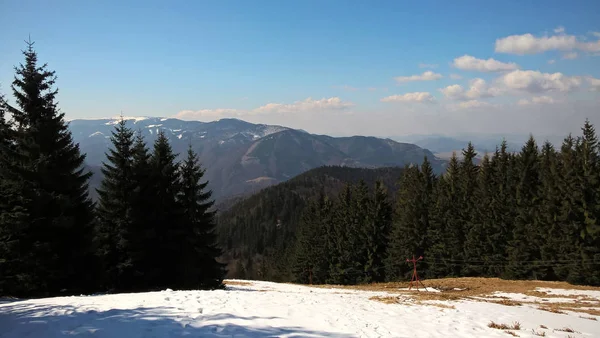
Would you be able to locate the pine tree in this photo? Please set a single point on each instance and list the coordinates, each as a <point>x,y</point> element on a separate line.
<point>569,218</point>
<point>199,253</point>
<point>114,228</point>
<point>13,277</point>
<point>377,234</point>
<point>590,205</point>
<point>524,248</point>
<point>142,231</point>
<point>480,235</point>
<point>310,256</point>
<point>550,200</point>
<point>341,268</point>
<point>503,206</point>
<point>467,185</point>
<point>361,217</point>
<point>57,239</point>
<point>408,231</point>
<point>167,226</point>
<point>446,235</point>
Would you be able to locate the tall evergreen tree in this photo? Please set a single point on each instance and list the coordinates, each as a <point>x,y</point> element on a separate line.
<point>166,225</point>
<point>310,256</point>
<point>12,213</point>
<point>376,234</point>
<point>141,200</point>
<point>569,218</point>
<point>445,233</point>
<point>549,212</point>
<point>590,204</point>
<point>503,206</point>
<point>53,181</point>
<point>114,229</point>
<point>341,267</point>
<point>467,188</point>
<point>479,239</point>
<point>198,263</point>
<point>524,248</point>
<point>409,236</point>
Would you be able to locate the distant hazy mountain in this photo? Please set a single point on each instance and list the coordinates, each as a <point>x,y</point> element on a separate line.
<point>447,144</point>
<point>242,157</point>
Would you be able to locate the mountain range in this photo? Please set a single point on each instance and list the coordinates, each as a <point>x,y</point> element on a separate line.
<point>242,157</point>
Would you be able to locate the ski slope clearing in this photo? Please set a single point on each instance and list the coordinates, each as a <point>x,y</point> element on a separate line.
<point>448,308</point>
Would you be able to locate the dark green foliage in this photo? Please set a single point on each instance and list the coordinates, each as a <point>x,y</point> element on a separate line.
<point>377,234</point>
<point>262,229</point>
<point>524,246</point>
<point>198,265</point>
<point>50,229</point>
<point>114,228</point>
<point>411,222</point>
<point>311,264</point>
<point>530,215</point>
<point>165,228</point>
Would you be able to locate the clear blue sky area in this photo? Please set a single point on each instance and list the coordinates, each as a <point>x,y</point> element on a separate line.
<point>161,57</point>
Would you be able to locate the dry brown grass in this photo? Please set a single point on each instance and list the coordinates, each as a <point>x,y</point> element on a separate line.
<point>233,282</point>
<point>515,326</point>
<point>539,333</point>
<point>543,327</point>
<point>551,309</point>
<point>386,300</point>
<point>590,318</point>
<point>443,306</point>
<point>507,302</point>
<point>512,333</point>
<point>567,329</point>
<point>470,288</point>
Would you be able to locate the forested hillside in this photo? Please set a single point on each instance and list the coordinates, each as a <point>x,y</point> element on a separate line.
<point>257,232</point>
<point>528,215</point>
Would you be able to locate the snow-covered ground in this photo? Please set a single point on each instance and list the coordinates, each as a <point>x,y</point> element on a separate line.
<point>262,309</point>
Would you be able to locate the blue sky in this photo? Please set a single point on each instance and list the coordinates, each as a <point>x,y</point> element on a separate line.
<point>324,66</point>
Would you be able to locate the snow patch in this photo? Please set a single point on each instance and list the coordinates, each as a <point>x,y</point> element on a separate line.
<point>136,119</point>
<point>179,136</point>
<point>564,292</point>
<point>96,134</point>
<point>285,310</point>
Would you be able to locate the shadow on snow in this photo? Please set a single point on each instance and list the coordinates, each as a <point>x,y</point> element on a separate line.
<point>22,319</point>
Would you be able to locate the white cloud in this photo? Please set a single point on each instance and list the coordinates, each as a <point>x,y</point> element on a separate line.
<point>536,82</point>
<point>474,104</point>
<point>570,56</point>
<point>594,84</point>
<point>551,62</point>
<point>478,88</point>
<point>530,44</point>
<point>426,76</point>
<point>209,114</point>
<point>468,62</point>
<point>308,105</point>
<point>537,100</point>
<point>428,65</point>
<point>469,105</point>
<point>455,77</point>
<point>422,97</point>
<point>559,30</point>
<point>596,34</point>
